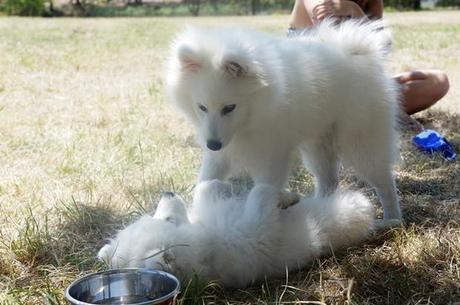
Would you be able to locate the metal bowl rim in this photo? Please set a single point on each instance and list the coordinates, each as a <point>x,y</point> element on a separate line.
<point>172,294</point>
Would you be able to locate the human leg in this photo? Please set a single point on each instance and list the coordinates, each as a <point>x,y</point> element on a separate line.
<point>422,88</point>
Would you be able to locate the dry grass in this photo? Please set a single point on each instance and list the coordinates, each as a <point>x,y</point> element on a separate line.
<point>88,142</point>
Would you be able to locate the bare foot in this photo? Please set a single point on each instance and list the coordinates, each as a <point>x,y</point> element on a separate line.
<point>408,123</point>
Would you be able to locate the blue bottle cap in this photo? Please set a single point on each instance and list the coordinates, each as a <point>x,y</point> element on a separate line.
<point>430,141</point>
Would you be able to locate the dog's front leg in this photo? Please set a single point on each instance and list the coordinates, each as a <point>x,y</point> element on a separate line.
<point>214,166</point>
<point>275,173</point>
<point>262,204</point>
<point>270,165</point>
<point>207,195</point>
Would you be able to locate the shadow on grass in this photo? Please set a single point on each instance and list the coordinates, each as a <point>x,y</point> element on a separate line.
<point>55,253</point>
<point>416,264</point>
<point>429,185</point>
<point>414,267</point>
<point>75,240</point>
<point>388,282</point>
<point>85,227</point>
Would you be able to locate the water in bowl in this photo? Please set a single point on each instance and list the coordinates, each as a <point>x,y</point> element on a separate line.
<point>124,300</point>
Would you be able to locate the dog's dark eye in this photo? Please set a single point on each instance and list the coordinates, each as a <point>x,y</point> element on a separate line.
<point>202,108</point>
<point>227,109</point>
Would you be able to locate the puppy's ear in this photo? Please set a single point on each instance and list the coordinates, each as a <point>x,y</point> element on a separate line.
<point>235,69</point>
<point>171,208</point>
<point>188,60</point>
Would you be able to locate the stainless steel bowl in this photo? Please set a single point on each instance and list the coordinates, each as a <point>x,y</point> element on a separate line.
<point>123,287</point>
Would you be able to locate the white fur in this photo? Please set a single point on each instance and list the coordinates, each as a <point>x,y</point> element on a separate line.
<point>325,92</point>
<point>239,241</point>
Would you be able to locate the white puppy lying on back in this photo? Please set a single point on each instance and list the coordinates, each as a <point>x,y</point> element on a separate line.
<point>238,241</point>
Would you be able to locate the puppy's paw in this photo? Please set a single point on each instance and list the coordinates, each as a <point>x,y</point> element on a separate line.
<point>105,254</point>
<point>287,199</point>
<point>214,189</point>
<point>171,208</point>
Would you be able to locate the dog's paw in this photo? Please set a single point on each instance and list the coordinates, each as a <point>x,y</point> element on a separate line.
<point>171,208</point>
<point>287,199</point>
<point>214,189</point>
<point>385,224</point>
<point>105,254</point>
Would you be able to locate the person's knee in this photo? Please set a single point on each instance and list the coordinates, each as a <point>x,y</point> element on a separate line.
<point>441,83</point>
<point>417,75</point>
<point>444,82</point>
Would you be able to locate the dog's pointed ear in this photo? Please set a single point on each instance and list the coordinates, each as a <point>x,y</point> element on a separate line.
<point>188,59</point>
<point>238,67</point>
<point>235,69</point>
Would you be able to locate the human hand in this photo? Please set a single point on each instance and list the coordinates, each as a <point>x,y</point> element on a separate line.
<point>335,8</point>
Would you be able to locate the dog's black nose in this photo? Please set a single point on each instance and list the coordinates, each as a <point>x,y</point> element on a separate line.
<point>168,194</point>
<point>214,145</point>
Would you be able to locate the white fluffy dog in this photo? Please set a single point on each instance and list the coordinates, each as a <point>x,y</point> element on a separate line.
<point>237,241</point>
<point>256,99</point>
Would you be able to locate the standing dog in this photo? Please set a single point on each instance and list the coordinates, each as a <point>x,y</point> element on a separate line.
<point>238,241</point>
<point>256,99</point>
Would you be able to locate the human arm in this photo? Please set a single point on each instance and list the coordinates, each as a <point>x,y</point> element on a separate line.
<point>320,9</point>
<point>374,9</point>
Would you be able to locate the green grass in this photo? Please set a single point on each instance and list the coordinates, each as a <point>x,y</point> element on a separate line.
<point>88,142</point>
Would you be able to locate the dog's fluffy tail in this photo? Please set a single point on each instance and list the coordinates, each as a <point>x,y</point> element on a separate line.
<point>342,219</point>
<point>356,37</point>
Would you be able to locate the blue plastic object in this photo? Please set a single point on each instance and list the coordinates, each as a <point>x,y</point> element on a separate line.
<point>430,141</point>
